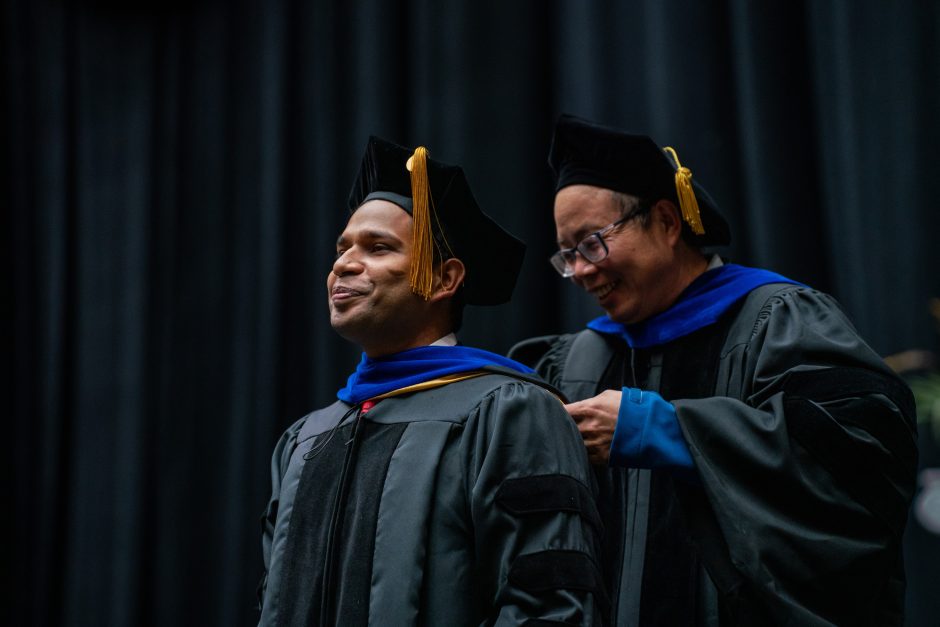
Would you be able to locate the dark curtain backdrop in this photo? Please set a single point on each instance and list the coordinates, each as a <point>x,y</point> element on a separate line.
<point>174,175</point>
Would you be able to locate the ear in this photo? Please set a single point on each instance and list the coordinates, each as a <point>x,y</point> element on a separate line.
<point>451,278</point>
<point>666,215</point>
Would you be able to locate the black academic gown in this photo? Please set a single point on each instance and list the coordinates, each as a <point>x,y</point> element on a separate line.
<point>804,449</point>
<point>467,504</point>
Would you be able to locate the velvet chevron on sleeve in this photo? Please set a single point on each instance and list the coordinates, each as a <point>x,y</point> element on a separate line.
<point>804,451</point>
<point>467,504</point>
<point>809,476</point>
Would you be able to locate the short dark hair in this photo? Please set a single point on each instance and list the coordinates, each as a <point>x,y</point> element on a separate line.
<point>629,204</point>
<point>642,206</point>
<point>456,310</point>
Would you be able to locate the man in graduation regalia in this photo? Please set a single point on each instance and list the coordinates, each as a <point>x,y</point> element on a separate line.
<point>756,457</point>
<point>446,486</point>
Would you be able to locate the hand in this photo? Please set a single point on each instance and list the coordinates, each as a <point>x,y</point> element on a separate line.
<point>596,418</point>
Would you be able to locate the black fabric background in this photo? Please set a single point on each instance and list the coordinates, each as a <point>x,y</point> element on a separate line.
<point>174,175</point>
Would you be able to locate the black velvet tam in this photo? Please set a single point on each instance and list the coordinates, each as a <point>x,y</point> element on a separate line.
<point>491,255</point>
<point>587,153</point>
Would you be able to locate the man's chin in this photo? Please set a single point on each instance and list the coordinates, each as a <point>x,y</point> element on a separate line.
<point>612,311</point>
<point>345,327</point>
<point>617,314</point>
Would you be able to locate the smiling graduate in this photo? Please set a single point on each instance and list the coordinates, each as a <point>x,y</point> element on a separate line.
<point>446,485</point>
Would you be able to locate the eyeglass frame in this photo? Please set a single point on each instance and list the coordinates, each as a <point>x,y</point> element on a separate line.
<point>567,270</point>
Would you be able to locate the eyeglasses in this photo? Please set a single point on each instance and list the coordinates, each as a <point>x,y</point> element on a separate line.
<point>593,247</point>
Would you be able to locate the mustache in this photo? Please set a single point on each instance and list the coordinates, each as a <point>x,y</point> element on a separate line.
<point>349,289</point>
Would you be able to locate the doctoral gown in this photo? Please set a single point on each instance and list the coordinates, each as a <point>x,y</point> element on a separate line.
<point>804,452</point>
<point>467,504</point>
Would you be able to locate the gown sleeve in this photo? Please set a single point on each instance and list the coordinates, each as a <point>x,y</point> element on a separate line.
<point>531,497</point>
<point>806,481</point>
<point>279,461</point>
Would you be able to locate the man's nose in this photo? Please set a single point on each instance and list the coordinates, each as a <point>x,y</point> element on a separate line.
<point>347,263</point>
<point>582,268</point>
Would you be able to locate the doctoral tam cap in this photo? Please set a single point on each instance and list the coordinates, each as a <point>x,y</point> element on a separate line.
<point>588,153</point>
<point>448,222</point>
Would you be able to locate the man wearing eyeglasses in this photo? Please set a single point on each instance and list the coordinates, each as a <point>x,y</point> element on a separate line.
<point>756,458</point>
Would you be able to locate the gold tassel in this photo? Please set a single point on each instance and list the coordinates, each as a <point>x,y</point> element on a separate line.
<point>687,202</point>
<point>422,254</point>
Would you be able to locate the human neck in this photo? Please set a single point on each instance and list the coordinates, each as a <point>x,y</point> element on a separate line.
<point>694,264</point>
<point>425,337</point>
<point>691,264</point>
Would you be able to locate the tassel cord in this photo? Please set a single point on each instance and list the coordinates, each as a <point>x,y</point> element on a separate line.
<point>686,194</point>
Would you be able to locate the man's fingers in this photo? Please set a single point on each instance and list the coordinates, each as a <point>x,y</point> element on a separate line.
<point>581,409</point>
<point>587,427</point>
<point>595,418</point>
